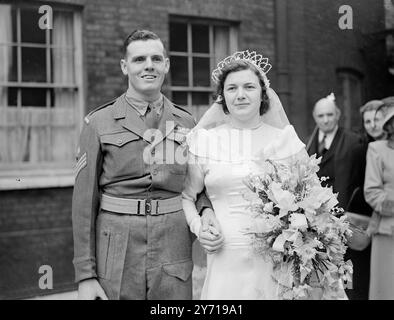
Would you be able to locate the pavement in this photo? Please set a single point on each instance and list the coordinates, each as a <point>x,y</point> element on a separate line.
<point>72,295</point>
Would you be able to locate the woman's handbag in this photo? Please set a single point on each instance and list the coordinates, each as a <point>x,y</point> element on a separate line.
<point>358,224</point>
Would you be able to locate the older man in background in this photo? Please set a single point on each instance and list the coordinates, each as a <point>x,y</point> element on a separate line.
<point>339,148</point>
<point>343,162</point>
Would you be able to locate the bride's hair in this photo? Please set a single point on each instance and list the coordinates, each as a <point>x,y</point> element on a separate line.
<point>240,65</point>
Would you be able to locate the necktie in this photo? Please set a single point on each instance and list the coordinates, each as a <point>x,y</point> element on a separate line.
<point>322,146</point>
<point>152,118</point>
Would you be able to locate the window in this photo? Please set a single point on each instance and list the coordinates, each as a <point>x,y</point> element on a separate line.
<point>40,91</point>
<point>196,46</point>
<point>349,97</point>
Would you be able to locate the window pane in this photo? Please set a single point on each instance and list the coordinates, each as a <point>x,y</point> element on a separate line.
<point>8,63</point>
<point>8,24</point>
<point>221,43</point>
<point>13,34</point>
<point>200,38</point>
<point>30,30</point>
<point>201,72</point>
<point>63,98</point>
<point>34,64</point>
<point>34,97</point>
<point>62,55</point>
<point>200,98</point>
<point>62,66</point>
<point>178,37</point>
<point>12,97</point>
<point>63,29</point>
<point>179,98</point>
<point>179,73</point>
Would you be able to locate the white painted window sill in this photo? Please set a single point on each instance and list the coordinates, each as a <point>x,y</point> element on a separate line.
<point>36,179</point>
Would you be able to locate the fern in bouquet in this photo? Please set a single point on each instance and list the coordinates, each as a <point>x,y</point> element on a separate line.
<point>299,226</point>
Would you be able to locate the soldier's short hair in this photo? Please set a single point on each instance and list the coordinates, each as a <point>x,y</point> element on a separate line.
<point>140,34</point>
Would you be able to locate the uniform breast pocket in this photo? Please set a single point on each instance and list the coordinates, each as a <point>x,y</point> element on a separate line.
<point>177,164</point>
<point>122,154</point>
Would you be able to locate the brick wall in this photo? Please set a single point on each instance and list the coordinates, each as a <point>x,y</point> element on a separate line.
<point>35,230</point>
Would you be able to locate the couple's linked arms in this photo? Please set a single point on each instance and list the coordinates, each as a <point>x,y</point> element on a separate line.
<point>206,227</point>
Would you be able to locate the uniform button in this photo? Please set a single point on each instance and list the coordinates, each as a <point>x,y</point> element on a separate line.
<point>154,171</point>
<point>152,152</point>
<point>120,141</point>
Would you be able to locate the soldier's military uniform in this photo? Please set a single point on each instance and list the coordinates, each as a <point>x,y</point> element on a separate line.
<point>129,228</point>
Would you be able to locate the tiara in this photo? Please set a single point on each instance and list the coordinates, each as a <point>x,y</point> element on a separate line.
<point>257,60</point>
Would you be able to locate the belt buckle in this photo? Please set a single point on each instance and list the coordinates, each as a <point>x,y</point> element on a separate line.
<point>148,206</point>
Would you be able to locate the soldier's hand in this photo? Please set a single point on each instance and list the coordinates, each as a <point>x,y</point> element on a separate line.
<point>90,289</point>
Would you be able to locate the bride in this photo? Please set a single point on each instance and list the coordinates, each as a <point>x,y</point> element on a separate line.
<point>254,127</point>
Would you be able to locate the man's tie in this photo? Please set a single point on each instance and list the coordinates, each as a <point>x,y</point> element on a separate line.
<point>152,118</point>
<point>322,146</point>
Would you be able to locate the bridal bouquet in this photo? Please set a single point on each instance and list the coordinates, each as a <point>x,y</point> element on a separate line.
<point>300,227</point>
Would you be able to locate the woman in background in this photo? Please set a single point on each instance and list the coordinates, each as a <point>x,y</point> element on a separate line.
<point>372,120</point>
<point>379,193</point>
<point>371,130</point>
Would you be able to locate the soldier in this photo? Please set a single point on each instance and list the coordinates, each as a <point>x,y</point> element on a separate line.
<point>131,238</point>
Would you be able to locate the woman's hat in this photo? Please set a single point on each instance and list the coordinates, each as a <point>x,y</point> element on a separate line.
<point>371,106</point>
<point>387,109</point>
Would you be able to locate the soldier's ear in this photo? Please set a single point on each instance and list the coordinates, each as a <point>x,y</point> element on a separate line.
<point>123,66</point>
<point>167,64</point>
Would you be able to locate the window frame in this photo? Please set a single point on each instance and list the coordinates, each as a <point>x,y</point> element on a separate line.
<point>48,173</point>
<point>211,23</point>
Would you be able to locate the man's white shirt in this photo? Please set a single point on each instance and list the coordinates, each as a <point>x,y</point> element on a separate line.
<point>329,137</point>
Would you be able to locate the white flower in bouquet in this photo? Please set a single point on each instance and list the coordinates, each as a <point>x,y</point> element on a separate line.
<point>284,199</point>
<point>298,221</point>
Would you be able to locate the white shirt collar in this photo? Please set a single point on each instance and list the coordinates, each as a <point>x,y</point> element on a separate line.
<point>329,137</point>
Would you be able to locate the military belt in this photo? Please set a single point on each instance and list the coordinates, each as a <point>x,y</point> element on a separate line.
<point>141,206</point>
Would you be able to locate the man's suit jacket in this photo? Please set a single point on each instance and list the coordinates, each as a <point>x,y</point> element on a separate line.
<point>346,158</point>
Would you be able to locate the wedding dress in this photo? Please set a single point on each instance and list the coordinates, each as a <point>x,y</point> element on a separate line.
<point>220,159</point>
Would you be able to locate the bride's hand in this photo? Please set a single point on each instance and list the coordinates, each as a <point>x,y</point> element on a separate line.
<point>211,240</point>
<point>208,218</point>
<point>210,237</point>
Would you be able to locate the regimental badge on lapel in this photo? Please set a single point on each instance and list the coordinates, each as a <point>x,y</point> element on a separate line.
<point>180,134</point>
<point>181,130</point>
